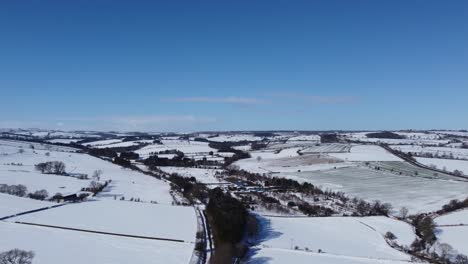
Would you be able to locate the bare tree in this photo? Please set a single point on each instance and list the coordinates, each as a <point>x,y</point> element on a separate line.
<point>445,249</point>
<point>461,259</point>
<point>16,256</point>
<point>39,195</point>
<point>51,167</point>
<point>59,167</point>
<point>97,175</point>
<point>404,212</point>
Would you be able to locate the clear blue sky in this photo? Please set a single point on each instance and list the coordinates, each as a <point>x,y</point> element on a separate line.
<point>234,65</point>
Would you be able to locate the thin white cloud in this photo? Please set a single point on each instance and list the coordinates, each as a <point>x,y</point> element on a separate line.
<point>144,123</point>
<point>331,99</point>
<point>228,100</point>
<point>317,99</point>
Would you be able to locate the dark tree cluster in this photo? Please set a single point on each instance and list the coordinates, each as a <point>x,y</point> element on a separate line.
<point>102,152</point>
<point>376,208</point>
<point>425,229</point>
<point>329,138</point>
<point>51,167</point>
<point>264,134</point>
<point>39,195</point>
<point>177,161</point>
<point>315,210</point>
<point>17,190</point>
<point>228,218</point>
<point>189,187</point>
<point>385,135</point>
<point>238,155</point>
<point>258,145</point>
<point>129,155</point>
<point>288,184</point>
<point>267,199</point>
<point>453,205</point>
<point>122,162</point>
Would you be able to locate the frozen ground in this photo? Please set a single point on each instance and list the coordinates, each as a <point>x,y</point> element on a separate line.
<point>54,246</point>
<point>129,218</point>
<point>449,165</point>
<point>339,236</point>
<point>11,205</point>
<point>416,193</point>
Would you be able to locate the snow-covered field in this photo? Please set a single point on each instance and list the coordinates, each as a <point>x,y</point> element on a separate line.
<point>125,182</point>
<point>63,141</point>
<point>187,147</point>
<point>446,164</point>
<point>122,217</point>
<point>338,236</point>
<point>11,205</point>
<point>280,256</point>
<point>288,160</point>
<point>102,142</point>
<point>328,148</point>
<point>202,175</point>
<point>453,229</point>
<point>125,144</point>
<point>456,218</point>
<point>55,246</point>
<point>366,153</point>
<point>413,138</point>
<point>235,138</point>
<point>417,193</point>
<point>440,151</point>
<point>455,236</point>
<point>315,138</point>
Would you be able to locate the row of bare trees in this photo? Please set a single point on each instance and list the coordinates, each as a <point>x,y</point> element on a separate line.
<point>51,167</point>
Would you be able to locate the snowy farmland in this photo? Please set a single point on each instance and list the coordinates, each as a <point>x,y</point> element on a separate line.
<point>280,256</point>
<point>418,194</point>
<point>56,246</point>
<point>446,164</point>
<point>288,160</point>
<point>122,217</point>
<point>328,148</point>
<point>206,176</point>
<point>185,146</point>
<point>113,219</point>
<point>125,182</point>
<point>361,238</point>
<point>457,153</point>
<point>366,153</point>
<point>11,205</point>
<point>453,229</point>
<point>108,227</point>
